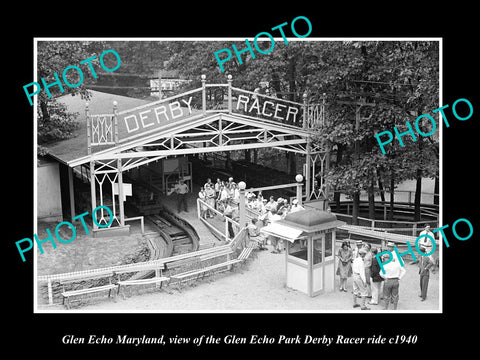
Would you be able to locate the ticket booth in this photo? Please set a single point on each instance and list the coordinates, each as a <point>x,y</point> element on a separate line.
<point>309,237</point>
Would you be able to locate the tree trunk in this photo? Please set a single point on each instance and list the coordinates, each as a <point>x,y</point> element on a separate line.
<point>371,200</point>
<point>356,208</point>
<point>276,84</point>
<point>392,196</point>
<point>228,163</point>
<point>418,195</point>
<point>291,78</point>
<point>247,155</point>
<point>337,194</point>
<point>436,190</point>
<point>336,200</point>
<point>291,163</point>
<point>380,186</point>
<point>45,113</point>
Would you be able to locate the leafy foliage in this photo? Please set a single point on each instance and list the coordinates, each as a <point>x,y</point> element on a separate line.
<point>401,78</point>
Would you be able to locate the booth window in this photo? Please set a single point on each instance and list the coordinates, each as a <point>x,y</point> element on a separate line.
<point>328,245</point>
<point>298,249</point>
<point>317,250</point>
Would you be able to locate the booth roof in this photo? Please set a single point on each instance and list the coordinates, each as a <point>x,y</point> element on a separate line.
<point>311,220</point>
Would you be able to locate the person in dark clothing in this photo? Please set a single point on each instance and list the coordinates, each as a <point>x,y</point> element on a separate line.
<point>424,265</point>
<point>377,280</point>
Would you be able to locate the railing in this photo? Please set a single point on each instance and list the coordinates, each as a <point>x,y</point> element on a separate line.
<point>104,129</point>
<point>142,222</point>
<point>412,228</point>
<point>217,225</point>
<point>405,196</point>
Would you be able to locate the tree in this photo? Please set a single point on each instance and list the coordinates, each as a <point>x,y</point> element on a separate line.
<point>54,121</point>
<point>401,79</point>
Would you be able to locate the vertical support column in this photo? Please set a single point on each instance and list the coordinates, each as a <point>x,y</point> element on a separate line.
<point>89,130</point>
<point>220,129</point>
<point>92,164</point>
<point>204,94</point>
<point>119,168</point>
<point>308,170</point>
<point>322,114</point>
<point>324,182</point>
<point>241,205</point>
<point>229,80</point>
<point>160,84</point>
<point>310,265</point>
<point>299,180</point>
<point>93,191</point>
<point>71,193</point>
<point>305,109</point>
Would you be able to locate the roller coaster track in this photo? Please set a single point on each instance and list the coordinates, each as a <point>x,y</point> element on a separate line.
<point>176,237</point>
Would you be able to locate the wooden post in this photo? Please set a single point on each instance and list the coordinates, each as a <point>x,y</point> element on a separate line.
<point>160,84</point>
<point>89,130</point>
<point>93,191</point>
<point>308,171</point>
<point>305,110</point>
<point>71,193</point>
<point>198,209</point>
<point>158,273</point>
<point>229,79</point>
<point>226,228</point>
<point>119,168</point>
<point>299,192</point>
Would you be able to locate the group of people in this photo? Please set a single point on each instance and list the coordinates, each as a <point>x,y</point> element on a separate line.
<point>224,196</point>
<point>369,279</point>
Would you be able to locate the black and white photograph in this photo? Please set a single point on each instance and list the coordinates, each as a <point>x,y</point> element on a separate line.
<point>164,184</point>
<point>229,181</point>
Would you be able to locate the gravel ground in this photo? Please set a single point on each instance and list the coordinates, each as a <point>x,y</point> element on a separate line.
<point>258,286</point>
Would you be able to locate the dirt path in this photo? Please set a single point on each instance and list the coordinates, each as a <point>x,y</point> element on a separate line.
<point>259,286</point>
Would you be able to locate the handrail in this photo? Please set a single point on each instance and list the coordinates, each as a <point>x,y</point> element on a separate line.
<point>227,219</point>
<point>139,266</point>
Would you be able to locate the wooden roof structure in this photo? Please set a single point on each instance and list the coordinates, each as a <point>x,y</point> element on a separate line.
<point>118,133</point>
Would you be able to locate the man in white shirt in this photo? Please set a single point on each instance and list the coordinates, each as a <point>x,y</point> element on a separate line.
<point>295,206</point>
<point>393,273</point>
<point>359,280</point>
<point>359,245</point>
<point>182,190</point>
<point>425,241</point>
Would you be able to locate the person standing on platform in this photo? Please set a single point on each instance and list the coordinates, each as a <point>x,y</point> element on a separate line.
<point>344,269</point>
<point>217,187</point>
<point>425,263</point>
<point>210,200</point>
<point>359,281</point>
<point>393,273</point>
<point>229,213</point>
<point>377,280</point>
<point>203,208</point>
<point>209,183</point>
<point>182,191</point>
